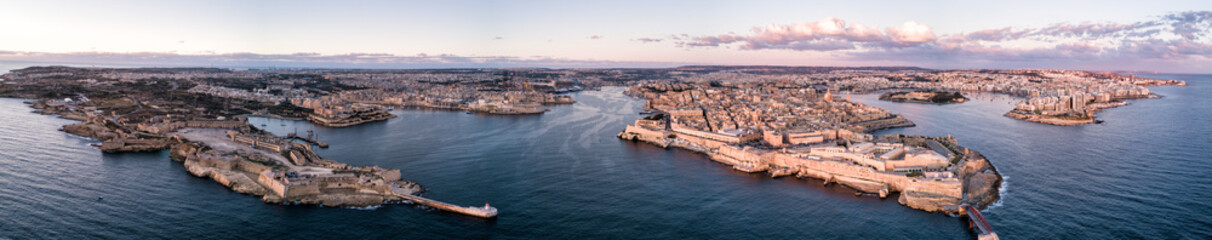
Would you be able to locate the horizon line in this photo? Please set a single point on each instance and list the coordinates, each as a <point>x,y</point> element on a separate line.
<point>151,66</point>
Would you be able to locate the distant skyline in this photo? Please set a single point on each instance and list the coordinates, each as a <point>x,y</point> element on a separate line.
<point>1162,36</point>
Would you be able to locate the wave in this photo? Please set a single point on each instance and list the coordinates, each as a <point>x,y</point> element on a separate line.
<point>366,208</point>
<point>1001,193</point>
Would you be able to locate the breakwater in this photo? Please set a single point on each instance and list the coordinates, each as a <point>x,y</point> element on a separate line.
<point>485,212</point>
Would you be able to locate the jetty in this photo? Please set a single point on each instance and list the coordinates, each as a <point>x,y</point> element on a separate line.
<point>483,212</point>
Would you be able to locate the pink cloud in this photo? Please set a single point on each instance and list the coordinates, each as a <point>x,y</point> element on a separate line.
<point>647,40</point>
<point>911,32</point>
<point>825,35</point>
<point>1172,37</point>
<point>315,60</point>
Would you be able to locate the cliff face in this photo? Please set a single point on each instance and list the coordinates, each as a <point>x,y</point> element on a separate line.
<point>636,134</point>
<point>929,202</point>
<point>237,181</point>
<point>181,150</point>
<point>90,130</point>
<point>981,181</point>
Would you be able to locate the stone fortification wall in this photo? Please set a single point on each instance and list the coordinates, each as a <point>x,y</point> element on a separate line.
<point>211,161</point>
<point>637,133</point>
<point>163,127</point>
<point>824,169</point>
<point>704,142</point>
<point>742,160</point>
<point>391,175</point>
<point>244,165</point>
<point>267,178</point>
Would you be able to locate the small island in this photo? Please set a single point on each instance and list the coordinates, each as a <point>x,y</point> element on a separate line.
<point>934,97</point>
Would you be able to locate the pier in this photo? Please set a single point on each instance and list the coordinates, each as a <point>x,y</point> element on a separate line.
<point>983,230</point>
<point>484,212</point>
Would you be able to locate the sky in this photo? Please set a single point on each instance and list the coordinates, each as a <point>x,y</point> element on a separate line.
<point>1162,36</point>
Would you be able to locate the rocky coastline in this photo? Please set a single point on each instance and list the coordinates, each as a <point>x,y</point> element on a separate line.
<point>1050,120</point>
<point>241,168</point>
<point>246,172</point>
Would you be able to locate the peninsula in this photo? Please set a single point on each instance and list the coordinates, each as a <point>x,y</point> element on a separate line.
<point>203,128</point>
<point>801,132</point>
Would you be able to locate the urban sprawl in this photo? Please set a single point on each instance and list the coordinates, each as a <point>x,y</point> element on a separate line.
<point>787,121</point>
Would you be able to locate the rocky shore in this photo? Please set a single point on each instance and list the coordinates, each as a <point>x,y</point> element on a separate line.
<point>298,177</point>
<point>206,153</point>
<point>1050,120</point>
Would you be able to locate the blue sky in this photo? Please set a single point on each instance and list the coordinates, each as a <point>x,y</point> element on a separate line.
<point>1093,35</point>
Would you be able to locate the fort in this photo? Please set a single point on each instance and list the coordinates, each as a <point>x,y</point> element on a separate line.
<point>252,161</point>
<point>166,125</point>
<point>344,117</point>
<point>280,171</point>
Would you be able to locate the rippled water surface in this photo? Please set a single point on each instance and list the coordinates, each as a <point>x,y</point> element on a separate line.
<point>563,175</point>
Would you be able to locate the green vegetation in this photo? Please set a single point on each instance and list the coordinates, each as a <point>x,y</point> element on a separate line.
<point>936,97</point>
<point>943,97</point>
<point>286,109</point>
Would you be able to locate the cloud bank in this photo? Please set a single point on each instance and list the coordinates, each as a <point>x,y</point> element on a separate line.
<point>1177,37</point>
<point>825,35</point>
<point>314,60</point>
<point>1175,42</point>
